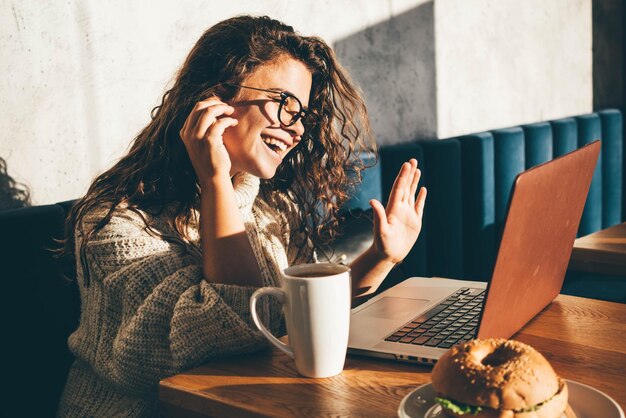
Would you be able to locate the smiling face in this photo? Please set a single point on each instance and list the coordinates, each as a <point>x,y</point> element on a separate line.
<point>259,142</point>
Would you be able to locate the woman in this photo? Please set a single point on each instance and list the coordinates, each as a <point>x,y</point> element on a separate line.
<point>172,241</point>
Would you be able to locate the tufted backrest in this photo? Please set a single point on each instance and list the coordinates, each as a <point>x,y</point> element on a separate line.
<point>470,180</point>
<point>42,307</point>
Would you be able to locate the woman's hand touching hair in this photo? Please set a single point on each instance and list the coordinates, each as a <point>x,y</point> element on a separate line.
<point>202,135</point>
<point>227,255</point>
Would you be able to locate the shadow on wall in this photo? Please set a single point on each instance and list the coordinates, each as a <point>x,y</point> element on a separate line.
<point>394,64</point>
<point>609,56</point>
<point>12,194</point>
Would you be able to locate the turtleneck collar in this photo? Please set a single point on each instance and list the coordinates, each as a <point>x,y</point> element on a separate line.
<point>246,189</point>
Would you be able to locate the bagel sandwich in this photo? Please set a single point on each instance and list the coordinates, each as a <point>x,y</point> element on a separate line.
<point>498,378</point>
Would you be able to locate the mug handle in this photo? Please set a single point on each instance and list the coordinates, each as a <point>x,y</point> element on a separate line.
<point>280,295</point>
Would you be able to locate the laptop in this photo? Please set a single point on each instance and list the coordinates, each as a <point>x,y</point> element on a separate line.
<point>420,318</point>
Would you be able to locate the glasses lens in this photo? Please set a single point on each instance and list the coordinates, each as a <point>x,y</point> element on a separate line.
<point>290,110</point>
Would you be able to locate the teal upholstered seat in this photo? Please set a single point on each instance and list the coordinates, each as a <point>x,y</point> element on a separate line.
<point>589,129</point>
<point>613,206</point>
<point>470,180</point>
<point>479,215</point>
<point>42,307</point>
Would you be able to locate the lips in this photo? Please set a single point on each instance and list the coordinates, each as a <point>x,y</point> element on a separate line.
<point>275,145</point>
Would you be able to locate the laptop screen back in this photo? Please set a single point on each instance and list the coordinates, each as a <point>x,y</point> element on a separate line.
<point>545,208</point>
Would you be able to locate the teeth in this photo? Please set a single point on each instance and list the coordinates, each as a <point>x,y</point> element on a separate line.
<point>272,141</point>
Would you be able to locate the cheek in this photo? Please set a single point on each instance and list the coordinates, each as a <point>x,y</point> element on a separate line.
<point>250,121</point>
<point>269,112</point>
<point>242,137</point>
<point>237,132</point>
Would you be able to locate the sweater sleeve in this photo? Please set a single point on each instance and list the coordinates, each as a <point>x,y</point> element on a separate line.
<point>160,316</point>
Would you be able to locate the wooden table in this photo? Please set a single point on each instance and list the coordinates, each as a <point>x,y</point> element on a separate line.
<point>602,252</point>
<point>584,340</point>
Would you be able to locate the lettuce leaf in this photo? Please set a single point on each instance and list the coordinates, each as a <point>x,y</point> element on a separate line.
<point>462,409</point>
<point>457,407</point>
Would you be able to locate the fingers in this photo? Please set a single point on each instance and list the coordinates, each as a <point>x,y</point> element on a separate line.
<point>380,217</point>
<point>203,116</point>
<point>405,185</point>
<point>209,117</point>
<point>217,129</point>
<point>193,116</point>
<point>421,201</point>
<point>399,185</point>
<point>413,188</point>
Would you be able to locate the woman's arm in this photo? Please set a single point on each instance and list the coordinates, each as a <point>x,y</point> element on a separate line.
<point>227,254</point>
<point>368,271</point>
<point>396,229</point>
<point>160,315</point>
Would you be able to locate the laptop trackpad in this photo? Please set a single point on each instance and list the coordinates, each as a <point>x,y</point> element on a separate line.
<point>394,308</point>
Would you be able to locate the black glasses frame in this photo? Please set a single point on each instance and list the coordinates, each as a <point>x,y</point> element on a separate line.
<point>303,114</point>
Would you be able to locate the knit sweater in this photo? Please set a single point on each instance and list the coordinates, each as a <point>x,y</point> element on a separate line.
<point>148,313</point>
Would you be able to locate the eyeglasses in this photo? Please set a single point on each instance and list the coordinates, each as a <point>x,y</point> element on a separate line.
<point>290,108</point>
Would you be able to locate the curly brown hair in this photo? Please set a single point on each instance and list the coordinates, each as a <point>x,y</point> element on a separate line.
<point>13,195</point>
<point>317,175</point>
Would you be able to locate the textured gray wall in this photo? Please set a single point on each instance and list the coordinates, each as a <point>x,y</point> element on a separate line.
<point>81,76</point>
<point>502,63</point>
<point>394,63</point>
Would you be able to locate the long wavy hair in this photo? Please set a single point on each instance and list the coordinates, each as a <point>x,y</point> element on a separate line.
<point>317,175</point>
<point>13,195</point>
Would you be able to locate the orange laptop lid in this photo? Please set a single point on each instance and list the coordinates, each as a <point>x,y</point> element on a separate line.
<point>545,208</point>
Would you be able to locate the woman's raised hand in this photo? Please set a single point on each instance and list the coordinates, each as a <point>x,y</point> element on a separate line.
<point>202,135</point>
<point>396,229</point>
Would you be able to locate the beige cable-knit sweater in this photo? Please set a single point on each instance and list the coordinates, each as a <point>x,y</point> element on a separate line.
<point>148,313</point>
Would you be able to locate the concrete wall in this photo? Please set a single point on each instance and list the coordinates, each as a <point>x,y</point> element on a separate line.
<point>80,77</point>
<point>394,63</point>
<point>507,62</point>
<point>449,67</point>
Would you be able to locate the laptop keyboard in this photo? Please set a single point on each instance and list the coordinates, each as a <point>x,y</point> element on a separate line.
<point>452,321</point>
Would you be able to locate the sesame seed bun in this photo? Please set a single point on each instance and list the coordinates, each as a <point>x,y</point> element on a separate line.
<point>506,378</point>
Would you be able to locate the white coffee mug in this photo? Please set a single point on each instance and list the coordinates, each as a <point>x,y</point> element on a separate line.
<point>316,300</point>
